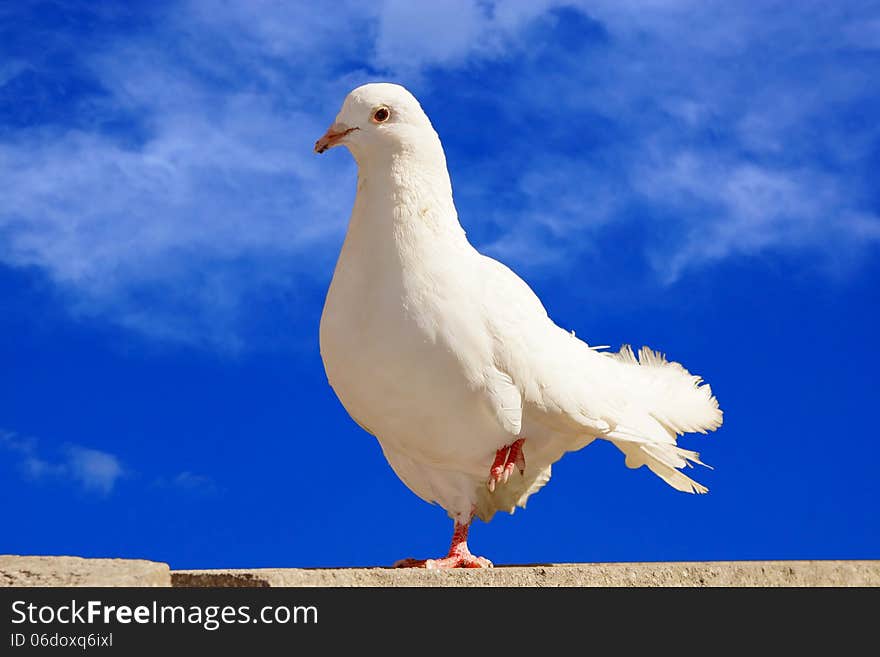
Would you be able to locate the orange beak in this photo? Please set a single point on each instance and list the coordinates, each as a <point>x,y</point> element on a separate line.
<point>332,137</point>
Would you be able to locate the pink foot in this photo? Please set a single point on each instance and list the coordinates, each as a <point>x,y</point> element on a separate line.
<point>450,561</point>
<point>506,459</point>
<point>459,555</point>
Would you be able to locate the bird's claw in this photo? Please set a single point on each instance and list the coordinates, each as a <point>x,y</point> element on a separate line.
<point>507,459</point>
<point>453,560</point>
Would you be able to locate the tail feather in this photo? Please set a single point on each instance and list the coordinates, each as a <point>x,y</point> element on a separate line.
<point>677,399</point>
<point>663,460</point>
<point>670,401</point>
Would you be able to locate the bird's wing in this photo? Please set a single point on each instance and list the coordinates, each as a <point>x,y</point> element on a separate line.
<point>505,399</point>
<point>640,405</point>
<point>526,365</point>
<point>528,352</point>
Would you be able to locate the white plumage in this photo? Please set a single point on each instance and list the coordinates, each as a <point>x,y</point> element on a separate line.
<point>446,356</point>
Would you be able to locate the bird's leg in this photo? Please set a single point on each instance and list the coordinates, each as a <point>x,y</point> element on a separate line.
<point>506,459</point>
<point>459,555</point>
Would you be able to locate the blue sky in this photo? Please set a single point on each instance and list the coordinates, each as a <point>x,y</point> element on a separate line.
<point>700,177</point>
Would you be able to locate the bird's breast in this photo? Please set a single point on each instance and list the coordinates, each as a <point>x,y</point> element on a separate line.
<point>402,349</point>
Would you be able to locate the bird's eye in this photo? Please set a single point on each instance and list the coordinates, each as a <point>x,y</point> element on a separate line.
<point>381,114</point>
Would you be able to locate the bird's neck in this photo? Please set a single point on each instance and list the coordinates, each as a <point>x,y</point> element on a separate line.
<point>403,226</point>
<point>405,193</point>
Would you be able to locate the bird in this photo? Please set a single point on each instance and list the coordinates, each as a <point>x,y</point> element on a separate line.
<point>450,359</point>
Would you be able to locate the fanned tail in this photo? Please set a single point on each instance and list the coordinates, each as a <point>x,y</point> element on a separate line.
<point>663,460</point>
<point>670,401</point>
<point>677,399</point>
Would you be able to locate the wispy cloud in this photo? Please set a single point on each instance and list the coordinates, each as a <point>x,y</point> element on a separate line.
<point>719,129</point>
<point>91,469</point>
<point>412,37</point>
<point>739,207</point>
<point>160,224</point>
<point>189,482</point>
<point>177,189</point>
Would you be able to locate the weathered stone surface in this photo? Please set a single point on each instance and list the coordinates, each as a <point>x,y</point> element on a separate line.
<point>710,573</point>
<point>76,571</point>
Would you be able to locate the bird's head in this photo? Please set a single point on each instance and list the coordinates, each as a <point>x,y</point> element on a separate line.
<point>379,118</point>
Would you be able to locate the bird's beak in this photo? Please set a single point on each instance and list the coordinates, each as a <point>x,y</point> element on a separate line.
<point>334,135</point>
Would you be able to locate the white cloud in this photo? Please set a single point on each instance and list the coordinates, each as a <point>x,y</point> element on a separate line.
<point>91,469</point>
<point>411,36</point>
<point>735,138</point>
<point>157,234</point>
<point>189,482</point>
<point>742,208</point>
<point>560,201</point>
<point>214,198</point>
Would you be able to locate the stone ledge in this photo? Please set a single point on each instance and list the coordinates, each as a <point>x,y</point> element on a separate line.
<point>75,571</point>
<point>711,573</point>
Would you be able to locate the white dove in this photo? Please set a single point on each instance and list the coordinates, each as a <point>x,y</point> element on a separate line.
<point>450,360</point>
